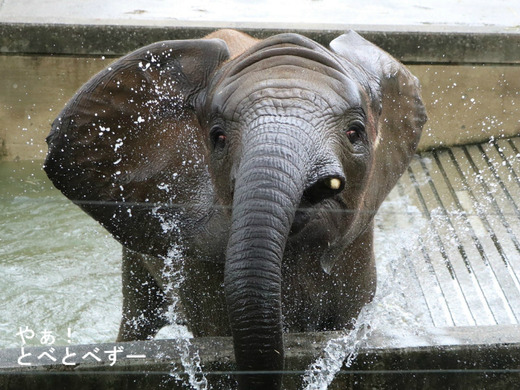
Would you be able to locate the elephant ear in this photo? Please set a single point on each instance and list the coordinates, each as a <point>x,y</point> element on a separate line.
<point>396,93</point>
<point>128,145</point>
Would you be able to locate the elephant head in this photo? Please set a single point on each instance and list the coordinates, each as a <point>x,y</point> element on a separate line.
<point>281,149</point>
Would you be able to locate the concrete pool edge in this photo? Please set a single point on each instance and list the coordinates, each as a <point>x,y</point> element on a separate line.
<point>494,363</point>
<point>433,44</point>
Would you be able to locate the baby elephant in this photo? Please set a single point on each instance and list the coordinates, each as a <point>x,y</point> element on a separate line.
<point>253,168</point>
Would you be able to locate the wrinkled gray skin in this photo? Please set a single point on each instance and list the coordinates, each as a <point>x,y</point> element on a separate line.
<point>259,164</point>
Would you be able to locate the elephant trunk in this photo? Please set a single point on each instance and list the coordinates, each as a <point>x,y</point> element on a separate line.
<point>269,187</point>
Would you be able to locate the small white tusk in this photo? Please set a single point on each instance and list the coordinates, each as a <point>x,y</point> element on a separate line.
<point>334,184</point>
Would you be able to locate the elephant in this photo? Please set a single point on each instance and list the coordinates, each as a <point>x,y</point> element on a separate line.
<point>254,168</point>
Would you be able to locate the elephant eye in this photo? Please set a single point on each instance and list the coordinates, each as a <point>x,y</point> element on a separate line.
<point>355,131</point>
<point>218,137</point>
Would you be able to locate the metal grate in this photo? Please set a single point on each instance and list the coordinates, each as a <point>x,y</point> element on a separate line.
<point>461,229</point>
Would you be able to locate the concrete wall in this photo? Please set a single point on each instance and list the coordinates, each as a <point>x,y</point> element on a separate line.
<point>469,103</point>
<point>33,91</point>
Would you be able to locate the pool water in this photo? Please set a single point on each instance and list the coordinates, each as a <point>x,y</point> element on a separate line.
<point>59,269</point>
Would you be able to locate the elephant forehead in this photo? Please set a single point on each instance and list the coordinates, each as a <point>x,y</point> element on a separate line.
<point>299,100</point>
<point>288,87</point>
<point>288,59</point>
<point>284,49</point>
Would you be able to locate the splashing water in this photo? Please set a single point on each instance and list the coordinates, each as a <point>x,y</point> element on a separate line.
<point>173,273</point>
<point>391,312</point>
<point>338,352</point>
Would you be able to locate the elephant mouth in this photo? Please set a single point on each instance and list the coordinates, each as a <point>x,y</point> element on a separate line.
<point>319,200</point>
<point>307,212</point>
<point>301,219</point>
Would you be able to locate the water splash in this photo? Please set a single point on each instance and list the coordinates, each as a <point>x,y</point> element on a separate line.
<point>391,312</point>
<point>337,353</point>
<point>173,272</point>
